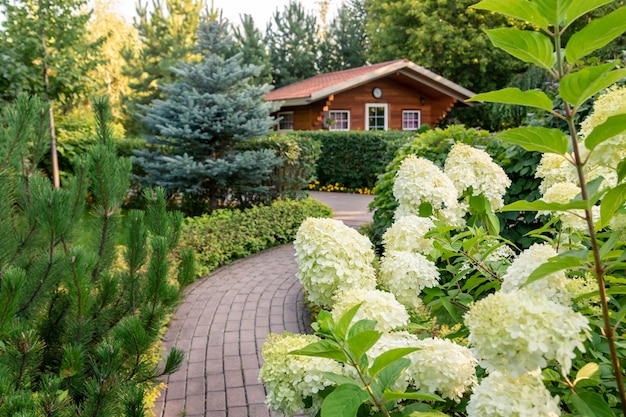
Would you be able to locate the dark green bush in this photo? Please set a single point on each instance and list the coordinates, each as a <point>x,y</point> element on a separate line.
<point>355,159</point>
<point>226,235</point>
<point>434,145</point>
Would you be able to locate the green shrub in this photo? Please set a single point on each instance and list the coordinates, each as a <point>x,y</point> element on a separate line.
<point>355,159</point>
<point>434,145</point>
<point>226,235</point>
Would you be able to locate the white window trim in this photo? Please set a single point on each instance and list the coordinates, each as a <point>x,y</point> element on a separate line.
<point>419,119</point>
<point>367,112</point>
<point>279,115</point>
<point>332,127</point>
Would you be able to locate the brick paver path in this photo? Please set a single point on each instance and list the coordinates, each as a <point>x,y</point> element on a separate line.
<point>222,326</point>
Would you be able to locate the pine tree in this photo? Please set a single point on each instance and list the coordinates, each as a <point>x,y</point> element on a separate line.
<point>345,43</point>
<point>83,294</point>
<point>293,46</point>
<point>204,117</point>
<point>249,41</point>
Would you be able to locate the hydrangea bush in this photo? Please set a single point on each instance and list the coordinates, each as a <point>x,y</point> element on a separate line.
<point>533,334</point>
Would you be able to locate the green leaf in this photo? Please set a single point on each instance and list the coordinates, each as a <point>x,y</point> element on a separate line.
<point>401,395</point>
<point>390,374</point>
<point>612,201</point>
<point>595,35</point>
<point>532,47</point>
<point>322,349</point>
<point>621,170</point>
<point>431,413</point>
<point>344,401</point>
<point>362,342</point>
<point>425,210</point>
<point>519,9</point>
<point>555,264</point>
<point>341,328</point>
<point>590,404</point>
<point>575,9</point>
<point>540,205</point>
<point>539,139</point>
<point>620,316</point>
<point>389,357</point>
<point>530,98</point>
<point>589,371</point>
<point>613,126</point>
<point>341,379</point>
<point>553,10</point>
<point>361,326</point>
<point>578,87</point>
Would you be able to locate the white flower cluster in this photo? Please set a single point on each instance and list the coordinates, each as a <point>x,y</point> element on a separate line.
<point>332,257</point>
<point>553,286</point>
<point>289,379</point>
<point>521,330</point>
<point>468,167</point>
<point>405,274</point>
<point>442,366</point>
<point>407,234</point>
<point>377,305</point>
<point>554,169</point>
<point>501,395</point>
<point>420,181</point>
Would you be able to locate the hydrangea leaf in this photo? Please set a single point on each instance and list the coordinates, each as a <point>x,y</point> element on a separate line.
<point>361,326</point>
<point>574,9</point>
<point>578,87</point>
<point>612,201</point>
<point>389,375</point>
<point>322,349</point>
<point>531,47</point>
<point>558,263</point>
<point>518,9</point>
<point>344,401</point>
<point>589,371</point>
<point>539,139</point>
<point>362,342</point>
<point>387,358</point>
<point>621,170</point>
<point>341,379</point>
<point>591,404</point>
<point>613,126</point>
<point>401,395</point>
<point>530,98</point>
<point>540,205</point>
<point>341,328</point>
<point>595,35</point>
<point>553,10</point>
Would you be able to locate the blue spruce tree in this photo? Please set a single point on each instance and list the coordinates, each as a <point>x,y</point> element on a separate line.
<point>203,121</point>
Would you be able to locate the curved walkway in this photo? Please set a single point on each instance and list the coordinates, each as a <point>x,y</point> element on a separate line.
<point>224,320</point>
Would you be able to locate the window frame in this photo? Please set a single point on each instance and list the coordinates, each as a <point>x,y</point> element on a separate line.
<point>280,118</point>
<point>332,127</point>
<point>367,118</point>
<point>419,119</point>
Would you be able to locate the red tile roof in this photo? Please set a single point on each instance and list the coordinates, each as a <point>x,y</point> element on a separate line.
<point>306,88</point>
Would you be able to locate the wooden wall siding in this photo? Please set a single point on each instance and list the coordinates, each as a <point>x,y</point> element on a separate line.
<point>398,97</point>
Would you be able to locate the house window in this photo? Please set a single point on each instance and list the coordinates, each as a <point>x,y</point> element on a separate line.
<point>339,120</point>
<point>376,117</point>
<point>411,119</point>
<point>285,120</point>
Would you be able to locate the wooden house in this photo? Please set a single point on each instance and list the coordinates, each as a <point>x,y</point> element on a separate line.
<point>397,95</point>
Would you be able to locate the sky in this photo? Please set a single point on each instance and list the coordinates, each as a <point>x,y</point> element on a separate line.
<point>261,10</point>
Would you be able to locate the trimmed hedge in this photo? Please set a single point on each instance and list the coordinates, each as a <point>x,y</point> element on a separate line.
<point>519,164</point>
<point>355,159</point>
<point>225,235</point>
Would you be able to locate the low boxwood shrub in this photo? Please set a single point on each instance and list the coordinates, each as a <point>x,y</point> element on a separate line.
<point>225,235</point>
<point>434,145</point>
<point>354,159</point>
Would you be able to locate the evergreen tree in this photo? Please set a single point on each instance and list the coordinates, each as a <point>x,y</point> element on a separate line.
<point>292,43</point>
<point>204,116</point>
<point>345,44</point>
<point>167,33</point>
<point>80,317</point>
<point>249,41</point>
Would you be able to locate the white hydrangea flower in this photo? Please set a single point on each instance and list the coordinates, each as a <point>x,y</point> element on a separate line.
<point>501,395</point>
<point>332,257</point>
<point>377,305</point>
<point>553,169</point>
<point>444,367</point>
<point>289,379</point>
<point>468,167</point>
<point>420,181</point>
<point>407,234</point>
<point>521,330</point>
<point>405,274</point>
<point>563,193</point>
<point>553,286</point>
